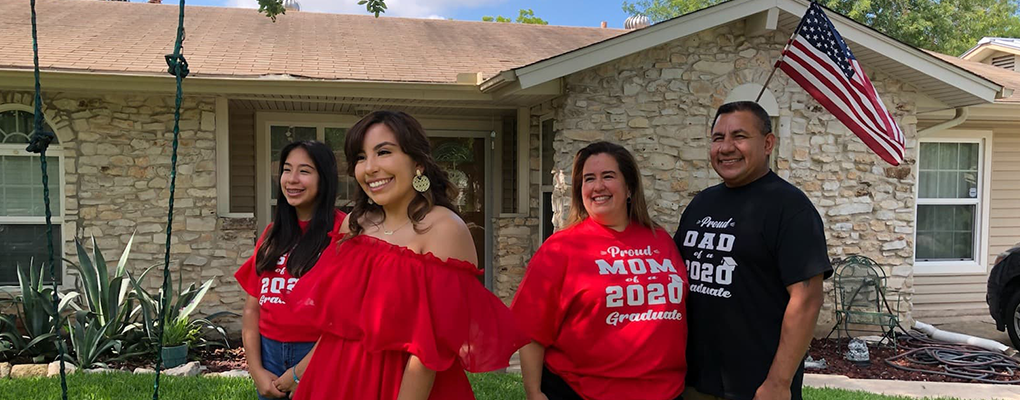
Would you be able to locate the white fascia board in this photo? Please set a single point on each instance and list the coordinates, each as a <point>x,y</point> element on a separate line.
<point>22,79</point>
<point>620,46</point>
<point>689,24</point>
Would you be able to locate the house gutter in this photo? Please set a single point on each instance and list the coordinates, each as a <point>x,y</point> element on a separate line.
<point>498,82</point>
<point>961,116</point>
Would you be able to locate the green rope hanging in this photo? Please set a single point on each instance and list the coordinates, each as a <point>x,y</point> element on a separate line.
<point>178,67</point>
<point>40,141</point>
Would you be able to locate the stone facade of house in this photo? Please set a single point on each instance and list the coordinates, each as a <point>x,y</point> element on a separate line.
<point>117,151</point>
<point>659,103</point>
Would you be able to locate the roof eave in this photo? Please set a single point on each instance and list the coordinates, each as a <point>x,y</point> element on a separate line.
<point>623,45</point>
<point>21,79</point>
<point>977,88</point>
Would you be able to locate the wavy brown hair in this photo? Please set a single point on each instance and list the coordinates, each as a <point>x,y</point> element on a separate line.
<point>637,208</point>
<point>412,141</point>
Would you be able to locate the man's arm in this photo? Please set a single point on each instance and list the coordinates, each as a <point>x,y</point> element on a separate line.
<point>798,329</point>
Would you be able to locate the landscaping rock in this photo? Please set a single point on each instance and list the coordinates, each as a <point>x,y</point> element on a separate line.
<point>5,370</point>
<point>237,373</point>
<point>104,371</point>
<point>190,369</point>
<point>28,371</point>
<point>54,368</point>
<point>141,370</point>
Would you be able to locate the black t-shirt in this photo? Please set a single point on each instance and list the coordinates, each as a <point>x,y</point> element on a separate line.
<point>743,246</point>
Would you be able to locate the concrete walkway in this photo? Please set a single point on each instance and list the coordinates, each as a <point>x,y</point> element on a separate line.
<point>976,391</point>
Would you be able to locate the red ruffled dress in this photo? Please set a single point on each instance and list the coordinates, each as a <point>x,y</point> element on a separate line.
<point>377,303</point>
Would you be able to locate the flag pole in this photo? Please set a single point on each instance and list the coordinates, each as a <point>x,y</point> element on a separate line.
<point>780,60</point>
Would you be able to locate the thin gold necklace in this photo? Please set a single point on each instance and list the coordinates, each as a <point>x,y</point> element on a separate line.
<point>390,233</point>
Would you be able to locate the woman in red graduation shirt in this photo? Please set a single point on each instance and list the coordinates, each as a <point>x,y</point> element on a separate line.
<point>604,299</point>
<point>275,340</point>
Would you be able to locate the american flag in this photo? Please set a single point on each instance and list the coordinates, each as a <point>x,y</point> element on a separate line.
<point>819,61</point>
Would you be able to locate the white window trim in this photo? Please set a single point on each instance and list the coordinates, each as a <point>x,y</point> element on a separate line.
<point>59,219</point>
<point>263,120</point>
<point>979,264</point>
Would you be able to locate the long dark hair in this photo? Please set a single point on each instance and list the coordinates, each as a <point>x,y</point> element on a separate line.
<point>285,235</point>
<point>637,208</point>
<point>413,142</point>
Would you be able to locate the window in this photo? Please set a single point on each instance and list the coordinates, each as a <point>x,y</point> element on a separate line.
<point>949,201</point>
<point>22,211</point>
<point>547,165</point>
<point>282,135</point>
<point>509,166</point>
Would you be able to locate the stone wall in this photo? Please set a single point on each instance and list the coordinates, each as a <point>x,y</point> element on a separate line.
<point>659,103</point>
<point>117,169</point>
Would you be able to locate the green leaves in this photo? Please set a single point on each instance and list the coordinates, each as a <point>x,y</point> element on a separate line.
<point>36,314</point>
<point>273,8</point>
<point>661,10</point>
<point>949,27</point>
<point>179,311</point>
<point>523,17</point>
<point>89,341</point>
<point>374,6</point>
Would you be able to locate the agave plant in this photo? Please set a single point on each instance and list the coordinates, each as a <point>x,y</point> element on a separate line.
<point>105,295</point>
<point>102,320</point>
<point>179,311</point>
<point>35,311</point>
<point>89,341</point>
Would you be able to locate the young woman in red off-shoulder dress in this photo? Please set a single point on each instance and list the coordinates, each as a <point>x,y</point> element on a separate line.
<point>399,304</point>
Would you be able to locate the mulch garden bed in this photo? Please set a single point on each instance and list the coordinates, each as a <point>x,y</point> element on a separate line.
<point>832,352</point>
<point>215,360</point>
<point>223,359</point>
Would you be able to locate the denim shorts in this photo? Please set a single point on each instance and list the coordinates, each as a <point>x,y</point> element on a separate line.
<point>278,357</point>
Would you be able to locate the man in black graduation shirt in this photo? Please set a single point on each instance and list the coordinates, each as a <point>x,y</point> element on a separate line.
<point>755,251</point>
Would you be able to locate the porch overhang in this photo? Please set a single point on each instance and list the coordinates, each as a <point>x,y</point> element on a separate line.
<point>460,94</point>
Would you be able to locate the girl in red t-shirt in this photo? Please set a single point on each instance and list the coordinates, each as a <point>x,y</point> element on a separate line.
<point>399,303</point>
<point>274,340</point>
<point>603,299</point>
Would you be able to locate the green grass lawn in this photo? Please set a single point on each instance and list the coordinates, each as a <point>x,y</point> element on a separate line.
<point>129,387</point>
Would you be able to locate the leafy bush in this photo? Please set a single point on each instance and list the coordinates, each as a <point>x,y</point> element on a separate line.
<point>182,302</point>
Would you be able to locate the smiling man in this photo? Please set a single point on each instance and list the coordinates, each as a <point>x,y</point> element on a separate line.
<point>755,251</point>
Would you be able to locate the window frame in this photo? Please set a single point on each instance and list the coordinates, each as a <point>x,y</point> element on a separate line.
<point>59,209</point>
<point>981,213</point>
<point>543,188</point>
<point>263,148</point>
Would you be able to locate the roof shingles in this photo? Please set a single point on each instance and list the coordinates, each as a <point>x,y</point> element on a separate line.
<point>133,37</point>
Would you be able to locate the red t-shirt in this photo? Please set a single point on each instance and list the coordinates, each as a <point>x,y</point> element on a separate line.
<point>276,321</point>
<point>610,309</point>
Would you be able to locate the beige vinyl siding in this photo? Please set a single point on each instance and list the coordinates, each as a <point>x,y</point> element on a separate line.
<point>1004,225</point>
<point>949,298</point>
<point>961,297</point>
<point>242,160</point>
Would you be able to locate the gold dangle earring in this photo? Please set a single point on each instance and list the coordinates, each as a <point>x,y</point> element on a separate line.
<point>420,182</point>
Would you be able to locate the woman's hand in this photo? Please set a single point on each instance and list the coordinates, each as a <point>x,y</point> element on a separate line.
<point>285,383</point>
<point>264,382</point>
